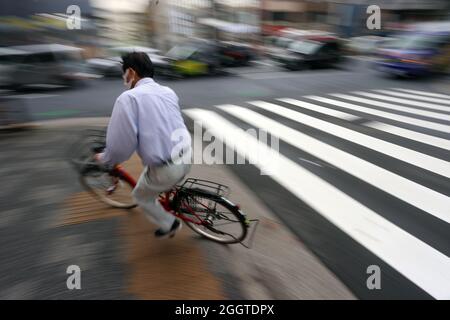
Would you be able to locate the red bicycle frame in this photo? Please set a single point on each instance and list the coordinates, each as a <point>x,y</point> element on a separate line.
<point>164,198</point>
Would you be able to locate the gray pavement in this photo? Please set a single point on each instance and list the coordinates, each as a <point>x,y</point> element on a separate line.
<point>38,245</point>
<point>34,253</point>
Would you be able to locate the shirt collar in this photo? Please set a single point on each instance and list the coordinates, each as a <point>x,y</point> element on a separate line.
<point>144,81</point>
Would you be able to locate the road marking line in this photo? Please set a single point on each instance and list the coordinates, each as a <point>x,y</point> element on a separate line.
<point>320,109</point>
<point>310,162</point>
<point>418,159</point>
<point>420,263</point>
<point>384,114</point>
<point>424,93</point>
<point>391,106</point>
<point>412,135</point>
<point>419,196</point>
<point>404,101</point>
<point>32,96</point>
<point>414,96</point>
<point>405,133</point>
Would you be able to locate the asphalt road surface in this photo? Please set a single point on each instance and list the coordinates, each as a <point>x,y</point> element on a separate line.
<point>362,172</point>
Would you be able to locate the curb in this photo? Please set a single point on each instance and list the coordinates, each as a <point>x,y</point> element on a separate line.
<point>58,123</point>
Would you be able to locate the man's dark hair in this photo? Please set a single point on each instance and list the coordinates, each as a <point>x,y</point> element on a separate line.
<point>139,62</point>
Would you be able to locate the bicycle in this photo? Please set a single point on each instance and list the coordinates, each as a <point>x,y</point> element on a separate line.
<point>201,204</point>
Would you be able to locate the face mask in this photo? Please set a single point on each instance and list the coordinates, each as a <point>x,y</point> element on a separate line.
<point>126,83</point>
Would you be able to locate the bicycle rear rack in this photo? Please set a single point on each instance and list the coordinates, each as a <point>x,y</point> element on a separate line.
<point>206,185</point>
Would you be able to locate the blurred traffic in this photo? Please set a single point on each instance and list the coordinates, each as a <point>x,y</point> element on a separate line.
<point>38,49</point>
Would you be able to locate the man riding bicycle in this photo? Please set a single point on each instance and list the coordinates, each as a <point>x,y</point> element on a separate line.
<point>146,118</point>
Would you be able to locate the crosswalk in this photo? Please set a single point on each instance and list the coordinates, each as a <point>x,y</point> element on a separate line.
<point>394,140</point>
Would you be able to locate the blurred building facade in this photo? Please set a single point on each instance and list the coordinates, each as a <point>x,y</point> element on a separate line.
<point>177,20</point>
<point>122,25</point>
<point>163,23</point>
<point>349,16</point>
<point>293,13</point>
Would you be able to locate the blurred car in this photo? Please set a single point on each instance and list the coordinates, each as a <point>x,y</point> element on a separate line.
<point>366,45</point>
<point>276,46</point>
<point>193,58</point>
<point>235,54</point>
<point>107,67</point>
<point>47,64</point>
<point>310,54</point>
<point>299,34</point>
<point>8,60</point>
<point>124,50</point>
<point>111,66</point>
<point>423,51</point>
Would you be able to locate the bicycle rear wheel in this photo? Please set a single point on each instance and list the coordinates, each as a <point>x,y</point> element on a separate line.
<point>219,219</point>
<point>110,190</point>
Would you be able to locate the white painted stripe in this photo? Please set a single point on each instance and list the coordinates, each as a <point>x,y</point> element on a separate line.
<point>412,135</point>
<point>420,263</point>
<point>32,96</point>
<point>416,158</point>
<point>402,188</point>
<point>403,101</point>
<point>309,161</point>
<point>391,106</point>
<point>405,133</point>
<point>384,114</point>
<point>46,86</point>
<point>320,109</point>
<point>425,93</point>
<point>268,63</point>
<point>414,96</point>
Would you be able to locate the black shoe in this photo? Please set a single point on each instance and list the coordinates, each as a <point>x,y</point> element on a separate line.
<point>160,234</point>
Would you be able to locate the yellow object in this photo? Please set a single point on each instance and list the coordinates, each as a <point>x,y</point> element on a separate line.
<point>190,67</point>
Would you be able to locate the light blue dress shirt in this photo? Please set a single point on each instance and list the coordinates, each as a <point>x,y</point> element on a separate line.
<point>146,119</point>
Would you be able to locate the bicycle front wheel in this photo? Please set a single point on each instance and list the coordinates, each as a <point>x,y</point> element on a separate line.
<point>216,218</point>
<point>110,190</point>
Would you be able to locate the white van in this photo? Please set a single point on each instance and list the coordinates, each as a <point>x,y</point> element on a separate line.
<point>48,64</point>
<point>8,60</point>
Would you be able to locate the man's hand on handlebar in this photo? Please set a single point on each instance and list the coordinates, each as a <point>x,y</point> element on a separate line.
<point>98,157</point>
